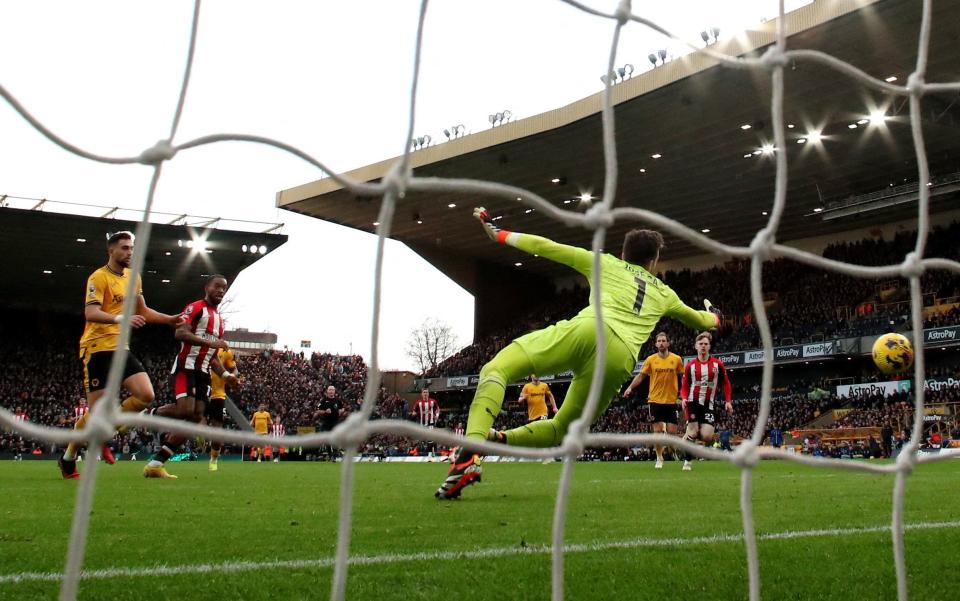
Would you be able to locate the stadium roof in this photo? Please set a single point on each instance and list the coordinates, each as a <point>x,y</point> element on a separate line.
<point>47,257</point>
<point>692,112</point>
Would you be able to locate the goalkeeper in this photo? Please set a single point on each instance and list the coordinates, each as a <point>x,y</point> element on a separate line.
<point>633,301</point>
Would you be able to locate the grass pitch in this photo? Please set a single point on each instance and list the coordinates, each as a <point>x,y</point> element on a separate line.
<point>268,531</point>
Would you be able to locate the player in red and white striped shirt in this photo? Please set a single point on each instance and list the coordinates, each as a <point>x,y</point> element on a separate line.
<point>702,377</point>
<point>428,409</point>
<point>80,409</point>
<point>199,338</point>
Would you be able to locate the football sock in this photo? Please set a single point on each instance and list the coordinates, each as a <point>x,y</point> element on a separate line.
<point>133,404</point>
<point>160,457</point>
<point>543,433</point>
<point>681,454</point>
<point>71,453</point>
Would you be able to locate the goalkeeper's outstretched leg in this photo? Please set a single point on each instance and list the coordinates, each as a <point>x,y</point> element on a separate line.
<point>465,465</point>
<point>568,345</point>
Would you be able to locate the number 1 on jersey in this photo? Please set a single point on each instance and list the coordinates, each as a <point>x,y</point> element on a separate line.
<point>641,292</point>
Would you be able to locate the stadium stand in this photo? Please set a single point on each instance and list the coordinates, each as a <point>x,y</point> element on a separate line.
<point>810,304</point>
<point>43,378</point>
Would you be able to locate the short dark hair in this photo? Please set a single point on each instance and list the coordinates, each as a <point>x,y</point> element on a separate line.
<point>117,237</point>
<point>215,276</point>
<point>640,247</point>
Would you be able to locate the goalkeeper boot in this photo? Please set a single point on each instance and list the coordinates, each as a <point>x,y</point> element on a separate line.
<point>68,469</point>
<point>465,469</point>
<point>107,455</point>
<point>157,472</point>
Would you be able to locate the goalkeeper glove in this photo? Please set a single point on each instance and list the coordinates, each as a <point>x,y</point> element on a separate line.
<point>492,231</point>
<point>709,307</point>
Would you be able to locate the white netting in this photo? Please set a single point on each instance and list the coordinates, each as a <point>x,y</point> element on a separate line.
<point>357,428</point>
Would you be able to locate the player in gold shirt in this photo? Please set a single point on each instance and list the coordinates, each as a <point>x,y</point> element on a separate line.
<point>103,310</point>
<point>663,368</point>
<point>261,423</point>
<point>213,412</point>
<point>535,394</point>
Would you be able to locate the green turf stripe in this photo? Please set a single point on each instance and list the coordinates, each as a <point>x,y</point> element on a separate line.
<point>248,566</point>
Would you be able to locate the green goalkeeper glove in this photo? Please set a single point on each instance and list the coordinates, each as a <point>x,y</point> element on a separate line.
<point>709,307</point>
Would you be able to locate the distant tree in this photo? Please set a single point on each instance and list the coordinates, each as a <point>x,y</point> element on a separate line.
<point>430,343</point>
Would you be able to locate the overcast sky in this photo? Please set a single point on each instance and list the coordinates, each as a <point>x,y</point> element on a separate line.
<point>331,78</point>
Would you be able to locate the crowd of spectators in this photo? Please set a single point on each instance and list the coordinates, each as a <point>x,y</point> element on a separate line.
<point>43,379</point>
<point>468,360</point>
<point>804,303</point>
<point>291,384</point>
<point>42,376</point>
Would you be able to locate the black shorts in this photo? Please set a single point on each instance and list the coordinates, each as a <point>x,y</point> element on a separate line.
<point>96,368</point>
<point>663,412</point>
<point>695,412</point>
<point>190,383</point>
<point>214,410</point>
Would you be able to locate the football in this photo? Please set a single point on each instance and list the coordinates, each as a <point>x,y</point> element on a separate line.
<point>893,353</point>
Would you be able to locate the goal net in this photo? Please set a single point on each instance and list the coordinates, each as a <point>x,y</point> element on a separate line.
<point>106,416</point>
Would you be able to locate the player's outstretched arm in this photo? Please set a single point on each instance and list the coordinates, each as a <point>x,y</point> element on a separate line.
<point>573,256</point>
<point>634,384</point>
<point>553,401</point>
<point>155,316</point>
<point>93,313</point>
<point>685,382</point>
<point>690,317</point>
<point>727,387</point>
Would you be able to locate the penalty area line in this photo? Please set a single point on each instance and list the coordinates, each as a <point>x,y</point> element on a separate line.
<point>361,560</point>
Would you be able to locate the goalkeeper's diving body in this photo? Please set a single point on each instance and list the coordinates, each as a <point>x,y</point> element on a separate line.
<point>633,300</point>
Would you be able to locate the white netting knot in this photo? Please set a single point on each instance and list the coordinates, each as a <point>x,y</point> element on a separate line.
<point>572,446</point>
<point>774,57</point>
<point>395,180</point>
<point>98,427</point>
<point>915,83</point>
<point>746,455</point>
<point>906,460</point>
<point>596,217</point>
<point>156,154</point>
<point>351,432</point>
<point>623,12</point>
<point>912,266</point>
<point>761,244</point>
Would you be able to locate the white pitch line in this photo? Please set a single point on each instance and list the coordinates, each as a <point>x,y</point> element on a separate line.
<point>367,560</point>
